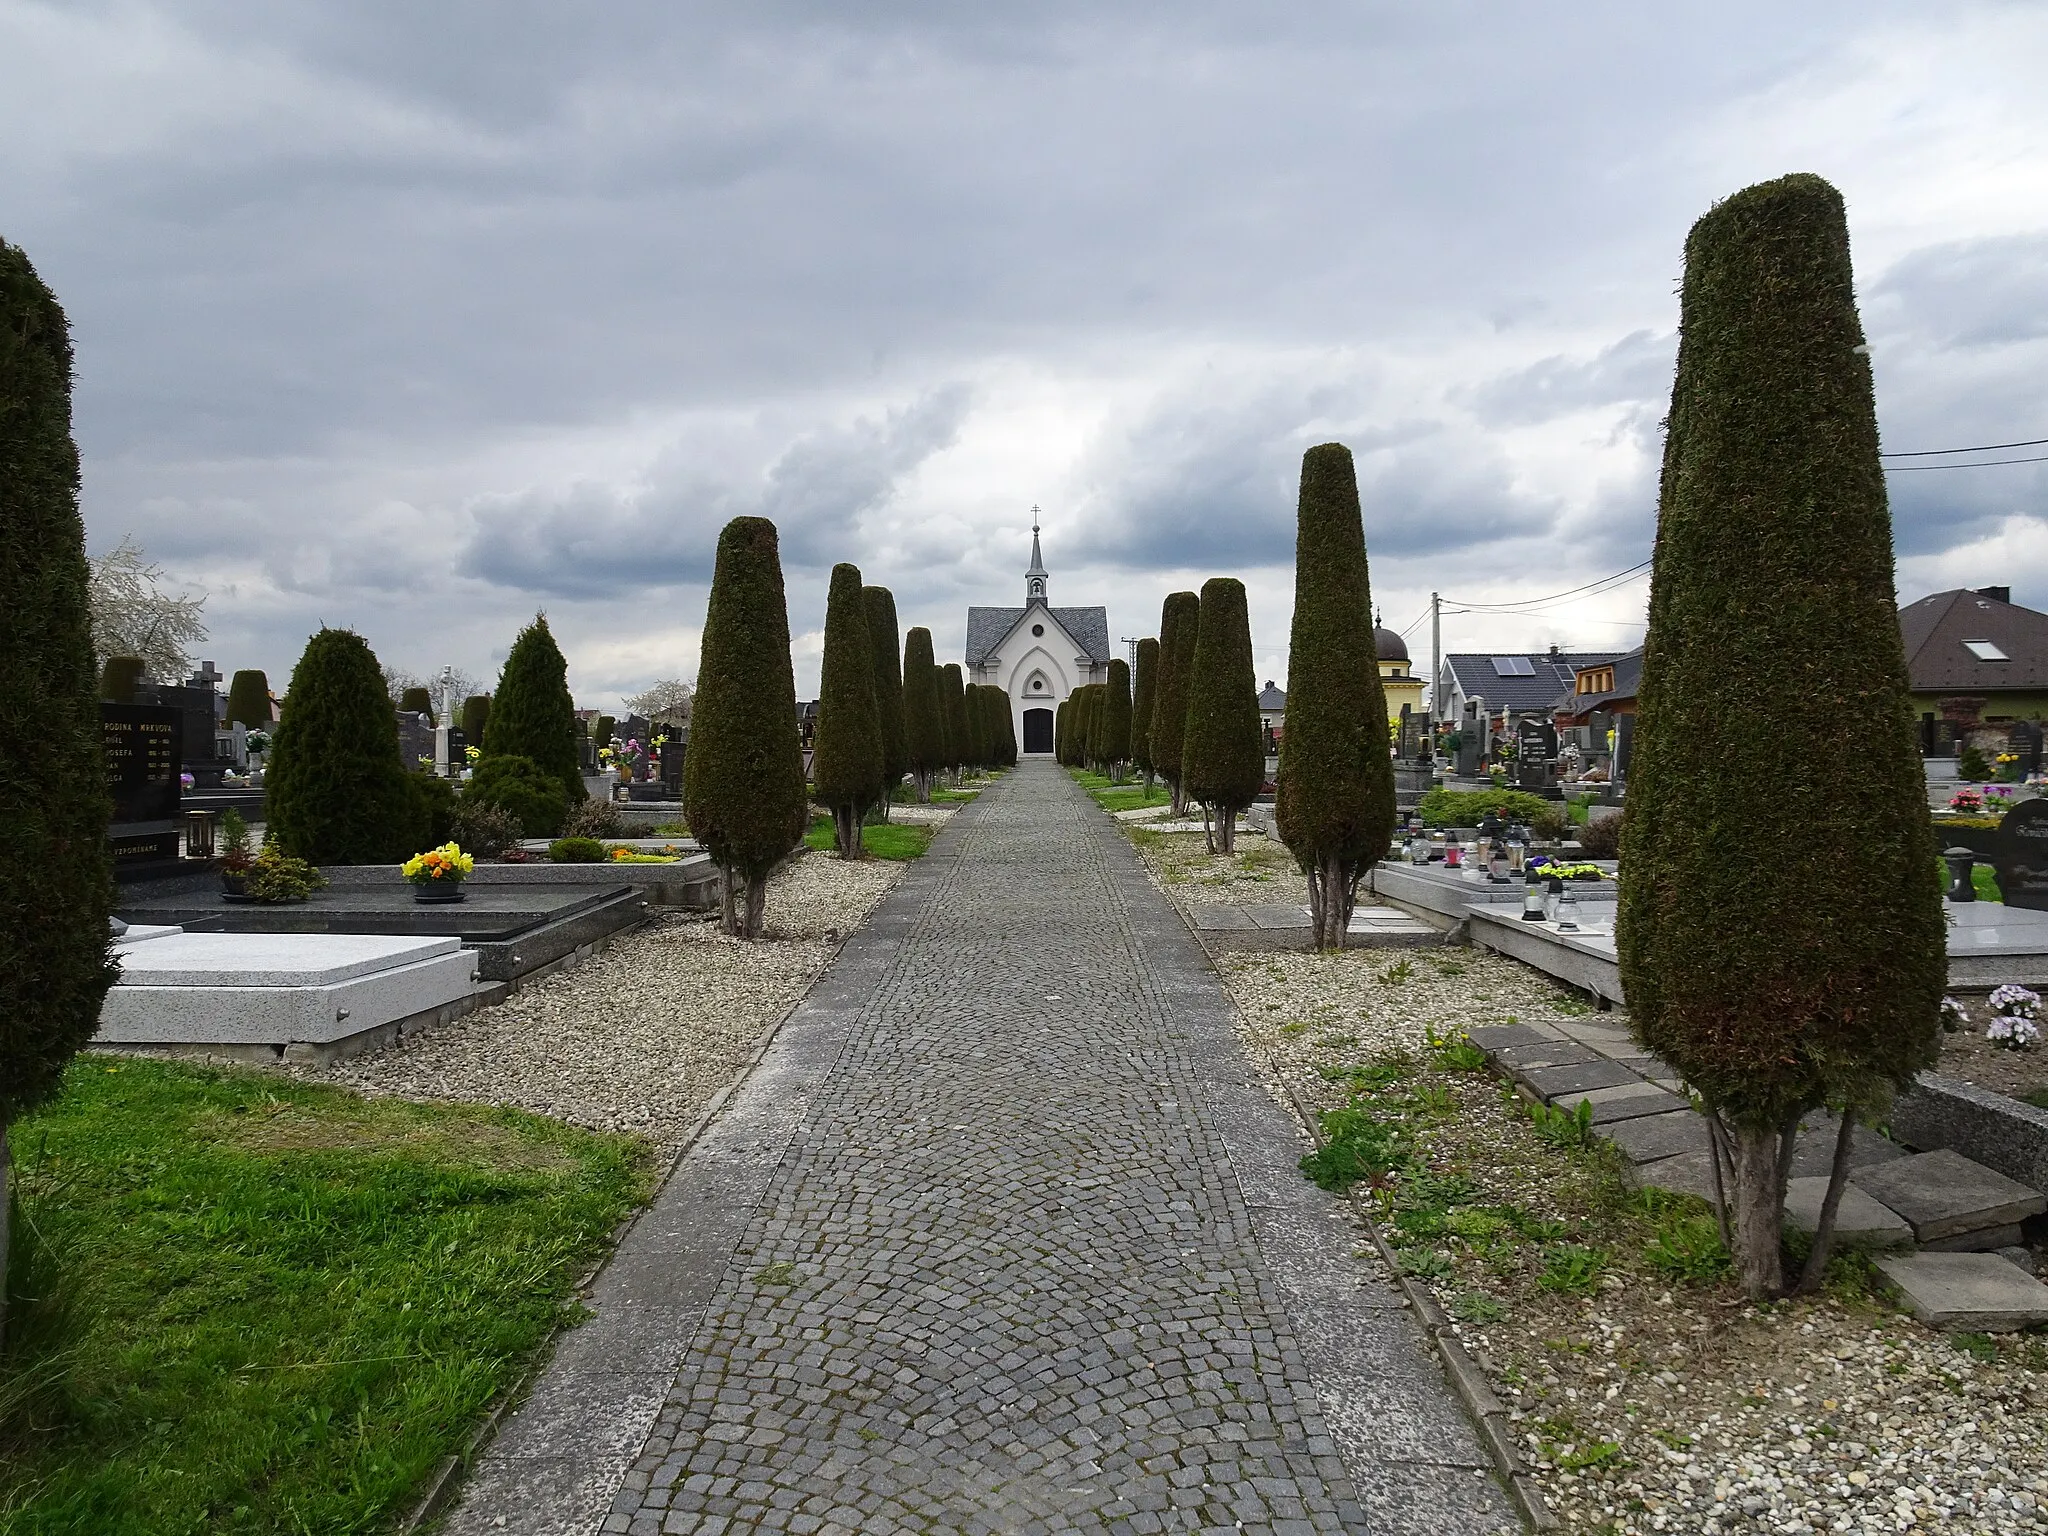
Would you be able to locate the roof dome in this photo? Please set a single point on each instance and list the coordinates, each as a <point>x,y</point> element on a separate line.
<point>1387,645</point>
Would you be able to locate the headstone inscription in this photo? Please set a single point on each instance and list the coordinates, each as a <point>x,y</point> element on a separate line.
<point>1535,750</point>
<point>143,745</point>
<point>2021,859</point>
<point>2026,747</point>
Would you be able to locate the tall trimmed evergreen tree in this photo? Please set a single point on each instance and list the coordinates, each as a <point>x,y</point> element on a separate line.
<point>953,694</point>
<point>417,701</point>
<point>979,737</point>
<point>1144,694</point>
<point>1179,621</point>
<point>1116,719</point>
<point>1223,756</point>
<point>1779,986</point>
<point>249,700</point>
<point>880,604</point>
<point>744,794</point>
<point>120,677</point>
<point>1059,733</point>
<point>924,730</point>
<point>1336,791</point>
<point>335,790</point>
<point>476,719</point>
<point>56,876</point>
<point>532,714</point>
<point>846,755</point>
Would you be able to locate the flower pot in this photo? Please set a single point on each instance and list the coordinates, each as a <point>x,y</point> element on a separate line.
<point>234,885</point>
<point>429,895</point>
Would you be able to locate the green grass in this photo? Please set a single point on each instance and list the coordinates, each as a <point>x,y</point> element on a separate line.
<point>906,794</point>
<point>882,841</point>
<point>1127,796</point>
<point>249,1305</point>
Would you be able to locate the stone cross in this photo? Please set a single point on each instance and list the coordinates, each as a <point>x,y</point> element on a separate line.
<point>205,677</point>
<point>444,751</point>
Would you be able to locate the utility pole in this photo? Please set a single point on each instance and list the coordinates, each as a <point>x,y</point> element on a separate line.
<point>1131,646</point>
<point>1436,664</point>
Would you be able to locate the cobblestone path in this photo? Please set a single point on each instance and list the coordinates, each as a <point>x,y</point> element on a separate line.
<point>1000,1236</point>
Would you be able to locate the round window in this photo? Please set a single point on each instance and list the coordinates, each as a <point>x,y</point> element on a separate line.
<point>1038,629</point>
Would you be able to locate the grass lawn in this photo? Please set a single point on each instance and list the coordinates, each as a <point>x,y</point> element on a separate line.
<point>906,794</point>
<point>247,1305</point>
<point>890,840</point>
<point>1128,796</point>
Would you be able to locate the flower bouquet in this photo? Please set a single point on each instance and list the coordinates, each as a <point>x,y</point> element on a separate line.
<point>1966,802</point>
<point>2014,1015</point>
<point>437,874</point>
<point>235,858</point>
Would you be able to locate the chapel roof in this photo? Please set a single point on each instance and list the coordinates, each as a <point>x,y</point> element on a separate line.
<point>988,627</point>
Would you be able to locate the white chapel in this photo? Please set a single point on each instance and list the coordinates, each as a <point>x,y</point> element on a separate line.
<point>1037,654</point>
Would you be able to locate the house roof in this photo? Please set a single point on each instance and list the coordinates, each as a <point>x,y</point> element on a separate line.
<point>1628,677</point>
<point>1938,661</point>
<point>1504,686</point>
<point>1271,698</point>
<point>987,628</point>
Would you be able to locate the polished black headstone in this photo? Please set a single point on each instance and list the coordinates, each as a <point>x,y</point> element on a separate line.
<point>143,745</point>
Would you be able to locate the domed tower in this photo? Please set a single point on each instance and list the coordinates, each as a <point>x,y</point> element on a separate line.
<point>1397,680</point>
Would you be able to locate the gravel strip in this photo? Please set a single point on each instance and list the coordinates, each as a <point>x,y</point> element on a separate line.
<point>1651,1403</point>
<point>638,1038</point>
<point>1261,870</point>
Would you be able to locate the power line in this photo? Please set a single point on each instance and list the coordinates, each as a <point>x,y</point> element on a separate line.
<point>1930,453</point>
<point>1590,589</point>
<point>1900,469</point>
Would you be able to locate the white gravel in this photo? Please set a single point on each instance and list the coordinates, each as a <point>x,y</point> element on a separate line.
<point>638,1038</point>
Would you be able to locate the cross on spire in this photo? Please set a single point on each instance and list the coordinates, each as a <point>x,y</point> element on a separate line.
<point>1035,574</point>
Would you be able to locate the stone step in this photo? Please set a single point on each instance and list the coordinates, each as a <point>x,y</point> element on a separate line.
<point>1972,1292</point>
<point>1860,1222</point>
<point>1951,1202</point>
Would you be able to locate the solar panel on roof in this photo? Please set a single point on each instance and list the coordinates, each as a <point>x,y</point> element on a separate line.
<point>1513,666</point>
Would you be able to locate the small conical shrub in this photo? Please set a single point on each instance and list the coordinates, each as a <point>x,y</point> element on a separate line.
<point>476,720</point>
<point>924,730</point>
<point>120,677</point>
<point>1336,791</point>
<point>56,879</point>
<point>1223,756</point>
<point>1059,733</point>
<point>1144,694</point>
<point>743,778</point>
<point>888,669</point>
<point>249,700</point>
<point>846,756</point>
<point>532,714</point>
<point>335,790</point>
<point>953,694</point>
<point>417,701</point>
<point>1776,985</point>
<point>1116,717</point>
<point>1179,621</point>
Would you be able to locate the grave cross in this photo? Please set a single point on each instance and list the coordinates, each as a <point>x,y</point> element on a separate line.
<point>205,677</point>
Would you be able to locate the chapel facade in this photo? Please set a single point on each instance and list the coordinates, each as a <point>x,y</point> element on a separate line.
<point>1037,654</point>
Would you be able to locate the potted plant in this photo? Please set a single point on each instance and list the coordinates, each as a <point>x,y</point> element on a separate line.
<point>235,858</point>
<point>437,874</point>
<point>276,877</point>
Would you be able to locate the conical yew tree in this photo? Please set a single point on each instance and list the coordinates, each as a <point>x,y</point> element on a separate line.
<point>1116,719</point>
<point>743,778</point>
<point>476,719</point>
<point>56,879</point>
<point>532,715</point>
<point>417,701</point>
<point>846,756</point>
<point>1144,693</point>
<point>924,729</point>
<point>120,677</point>
<point>880,605</point>
<point>1774,986</point>
<point>1336,790</point>
<point>1059,733</point>
<point>335,790</point>
<point>1223,756</point>
<point>1179,621</point>
<point>953,694</point>
<point>249,700</point>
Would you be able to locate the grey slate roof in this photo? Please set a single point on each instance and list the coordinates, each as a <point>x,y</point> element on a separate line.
<point>1935,628</point>
<point>1272,700</point>
<point>1553,675</point>
<point>987,626</point>
<point>1628,679</point>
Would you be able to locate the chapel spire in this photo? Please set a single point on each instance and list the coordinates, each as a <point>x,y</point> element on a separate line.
<point>1035,574</point>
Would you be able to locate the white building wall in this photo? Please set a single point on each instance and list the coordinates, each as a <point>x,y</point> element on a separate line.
<point>1037,671</point>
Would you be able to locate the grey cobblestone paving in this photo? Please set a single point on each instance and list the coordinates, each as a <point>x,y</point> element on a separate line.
<point>1001,1236</point>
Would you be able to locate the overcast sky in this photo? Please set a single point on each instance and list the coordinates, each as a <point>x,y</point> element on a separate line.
<point>417,319</point>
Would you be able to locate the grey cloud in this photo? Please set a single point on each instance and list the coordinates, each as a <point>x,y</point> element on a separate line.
<point>1637,367</point>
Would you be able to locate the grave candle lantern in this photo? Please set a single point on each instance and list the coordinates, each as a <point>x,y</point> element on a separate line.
<point>1532,897</point>
<point>1553,896</point>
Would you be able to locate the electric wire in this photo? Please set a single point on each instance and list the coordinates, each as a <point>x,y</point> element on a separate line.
<point>1933,453</point>
<point>1902,469</point>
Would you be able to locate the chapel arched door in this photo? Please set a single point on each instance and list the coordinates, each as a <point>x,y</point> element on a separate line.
<point>1037,730</point>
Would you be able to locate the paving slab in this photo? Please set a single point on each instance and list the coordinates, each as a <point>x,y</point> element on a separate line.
<point>1546,1053</point>
<point>1860,1222</point>
<point>1632,1102</point>
<point>1969,1292</point>
<point>1501,1037</point>
<point>1002,1235</point>
<point>1945,1195</point>
<point>1651,1137</point>
<point>1553,1084</point>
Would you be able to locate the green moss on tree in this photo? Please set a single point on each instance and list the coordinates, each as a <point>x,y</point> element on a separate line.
<point>1336,788</point>
<point>335,789</point>
<point>249,700</point>
<point>846,757</point>
<point>884,636</point>
<point>743,778</point>
<point>56,879</point>
<point>532,714</point>
<point>1775,985</point>
<point>1179,622</point>
<point>1223,756</point>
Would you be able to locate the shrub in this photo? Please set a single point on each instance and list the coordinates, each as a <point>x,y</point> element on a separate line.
<point>249,700</point>
<point>1465,807</point>
<point>1335,801</point>
<point>476,719</point>
<point>1179,620</point>
<point>483,830</point>
<point>120,677</point>
<point>924,731</point>
<point>594,818</point>
<point>335,790</point>
<point>1551,822</point>
<point>576,850</point>
<point>532,715</point>
<point>277,877</point>
<point>1223,758</point>
<point>883,637</point>
<point>1602,839</point>
<point>416,701</point>
<point>846,759</point>
<point>1115,724</point>
<point>433,809</point>
<point>1972,765</point>
<point>1775,987</point>
<point>522,788</point>
<point>743,778</point>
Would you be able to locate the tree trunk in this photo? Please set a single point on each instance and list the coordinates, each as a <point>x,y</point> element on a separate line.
<point>728,916</point>
<point>1226,830</point>
<point>846,822</point>
<point>1330,899</point>
<point>1179,809</point>
<point>757,903</point>
<point>1824,1230</point>
<point>1148,783</point>
<point>1759,1209</point>
<point>923,780</point>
